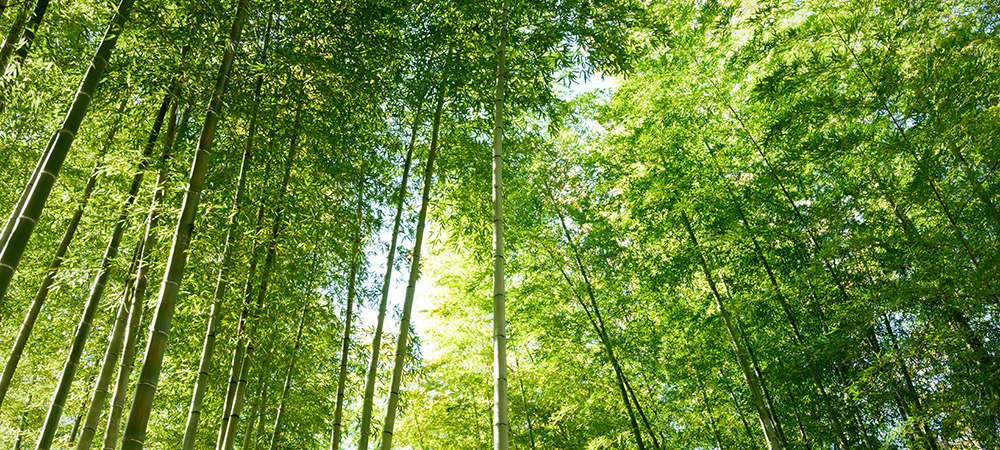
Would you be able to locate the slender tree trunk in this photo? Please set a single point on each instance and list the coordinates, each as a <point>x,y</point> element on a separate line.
<point>20,427</point>
<point>914,397</point>
<point>596,323</point>
<point>838,370</point>
<point>118,330</point>
<point>977,188</point>
<point>642,415</point>
<point>100,393</point>
<point>29,33</point>
<point>957,319</point>
<point>769,400</point>
<point>259,434</point>
<point>149,375</point>
<point>366,408</point>
<point>708,411</point>
<point>76,424</point>
<point>838,428</point>
<point>524,402</point>
<point>404,321</point>
<point>13,37</point>
<point>815,246</point>
<point>97,291</point>
<point>229,248</point>
<point>240,348</point>
<point>229,437</point>
<point>248,302</point>
<point>25,224</point>
<point>71,437</point>
<point>141,281</point>
<point>27,326</point>
<point>501,427</point>
<point>8,227</point>
<point>956,152</point>
<point>345,345</point>
<point>767,422</point>
<point>288,381</point>
<point>802,431</point>
<point>261,401</point>
<point>739,411</point>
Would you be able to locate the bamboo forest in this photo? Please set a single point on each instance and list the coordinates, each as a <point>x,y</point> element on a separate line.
<point>500,224</point>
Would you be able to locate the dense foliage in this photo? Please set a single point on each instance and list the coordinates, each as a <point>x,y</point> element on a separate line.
<point>776,228</point>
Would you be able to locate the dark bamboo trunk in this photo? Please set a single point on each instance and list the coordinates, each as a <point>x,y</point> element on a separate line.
<point>739,411</point>
<point>708,411</point>
<point>769,399</point>
<point>117,335</point>
<point>527,413</point>
<point>30,31</point>
<point>9,43</point>
<point>240,348</point>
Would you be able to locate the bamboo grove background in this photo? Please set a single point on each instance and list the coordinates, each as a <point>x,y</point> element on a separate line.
<point>778,230</point>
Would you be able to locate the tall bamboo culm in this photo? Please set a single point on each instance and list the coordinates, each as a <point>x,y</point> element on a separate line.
<point>149,374</point>
<point>501,427</point>
<point>345,343</point>
<point>23,227</point>
<point>28,324</point>
<point>276,434</point>
<point>366,407</point>
<point>404,321</point>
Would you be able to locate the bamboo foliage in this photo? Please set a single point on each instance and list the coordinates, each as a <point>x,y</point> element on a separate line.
<point>709,225</point>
